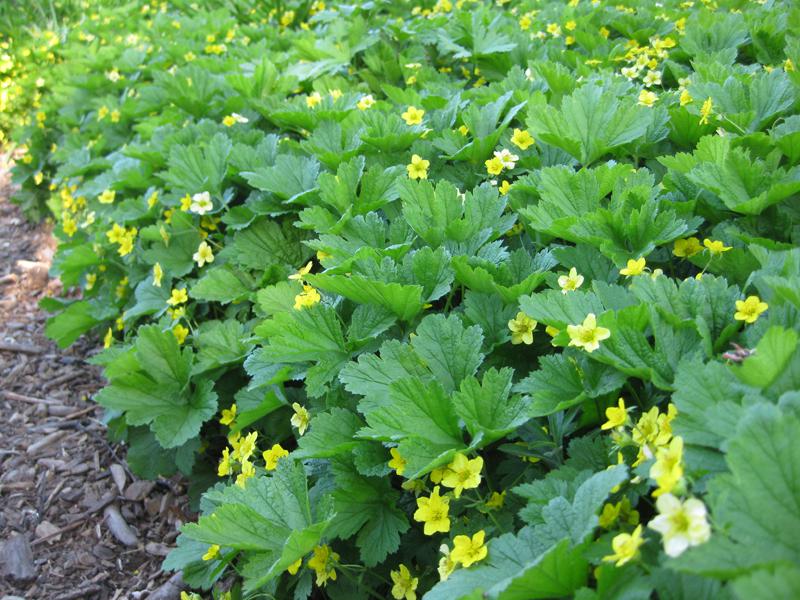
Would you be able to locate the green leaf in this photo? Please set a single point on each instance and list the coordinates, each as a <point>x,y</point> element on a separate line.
<point>303,335</point>
<point>330,434</point>
<point>265,243</point>
<point>450,350</point>
<point>367,505</point>
<point>372,374</point>
<point>485,407</point>
<point>222,284</point>
<point>198,167</point>
<point>516,569</point>
<point>782,582</point>
<point>289,179</point>
<point>772,354</point>
<point>405,301</point>
<point>175,253</point>
<point>219,343</point>
<point>755,506</point>
<point>78,318</point>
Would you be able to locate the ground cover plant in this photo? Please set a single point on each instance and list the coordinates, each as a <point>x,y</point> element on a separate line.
<point>448,300</point>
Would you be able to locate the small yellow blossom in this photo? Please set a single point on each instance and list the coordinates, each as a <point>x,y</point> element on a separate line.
<point>706,111</point>
<point>634,267</point>
<point>248,471</point>
<point>405,585</point>
<point>522,139</point>
<point>587,335</point>
<point>273,455</point>
<point>107,197</point>
<point>178,296</point>
<point>681,524</point>
<point>750,309</point>
<point>180,332</point>
<point>307,298</point>
<point>616,415</point>
<point>626,547</point>
<point>413,115</point>
<point>300,418</point>
<point>108,339</point>
<point>228,415</point>
<point>505,187</point>
<point>212,552</point>
<point>463,474</point>
<point>667,471</point>
<point>323,563</point>
<point>302,272</point>
<point>418,169</point>
<point>295,566</point>
<point>158,273</point>
<point>522,327</point>
<point>398,463</point>
<point>686,248</point>
<point>496,500</point>
<point>715,247</point>
<point>446,563</point>
<point>433,512</point>
<point>204,255</point>
<point>467,551</point>
<point>365,102</point>
<point>313,99</point>
<point>647,98</point>
<point>685,98</point>
<point>571,282</point>
<point>494,166</point>
<point>225,467</point>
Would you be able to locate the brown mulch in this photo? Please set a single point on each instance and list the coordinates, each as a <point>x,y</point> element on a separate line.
<point>74,521</point>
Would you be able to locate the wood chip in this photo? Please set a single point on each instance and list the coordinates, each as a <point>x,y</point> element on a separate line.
<point>118,527</point>
<point>139,490</point>
<point>47,529</point>
<point>16,558</point>
<point>118,474</point>
<point>45,442</point>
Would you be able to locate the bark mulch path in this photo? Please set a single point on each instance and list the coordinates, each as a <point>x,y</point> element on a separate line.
<point>74,521</point>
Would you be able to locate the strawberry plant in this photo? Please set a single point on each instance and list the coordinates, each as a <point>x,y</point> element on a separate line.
<point>455,300</point>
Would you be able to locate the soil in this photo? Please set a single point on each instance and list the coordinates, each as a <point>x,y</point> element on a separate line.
<point>74,521</point>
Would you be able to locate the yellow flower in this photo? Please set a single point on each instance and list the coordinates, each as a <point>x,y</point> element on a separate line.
<point>418,169</point>
<point>522,327</point>
<point>706,111</point>
<point>228,121</point>
<point>178,296</point>
<point>681,524</point>
<point>653,428</point>
<point>225,467</point>
<point>587,335</point>
<point>604,32</point>
<point>107,197</point>
<point>571,282</point>
<point>505,187</point>
<point>433,512</point>
<point>302,272</point>
<point>300,418</point>
<point>243,447</point>
<point>686,98</point>
<point>158,273</point>
<point>365,102</point>
<point>398,463</point>
<point>323,563</point>
<point>522,139</point>
<point>405,585</point>
<point>647,98</point>
<point>272,456</point>
<point>203,255</point>
<point>115,116</point>
<point>295,566</point>
<point>668,470</point>
<point>248,471</point>
<point>413,115</point>
<point>570,25</point>
<point>554,29</point>
<point>446,563</point>
<point>307,298</point>
<point>496,500</point>
<point>186,203</point>
<point>313,99</point>
<point>212,552</point>
<point>468,551</point>
<point>494,166</point>
<point>715,247</point>
<point>686,248</point>
<point>616,415</point>
<point>463,474</point>
<point>108,339</point>
<point>152,199</point>
<point>180,332</point>
<point>70,226</point>
<point>287,18</point>
<point>228,415</point>
<point>634,267</point>
<point>626,547</point>
<point>102,113</point>
<point>750,309</point>
<point>463,130</point>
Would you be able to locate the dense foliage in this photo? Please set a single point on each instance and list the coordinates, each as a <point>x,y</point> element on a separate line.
<point>454,300</point>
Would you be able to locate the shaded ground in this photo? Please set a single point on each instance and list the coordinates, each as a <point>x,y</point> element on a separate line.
<point>74,522</point>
